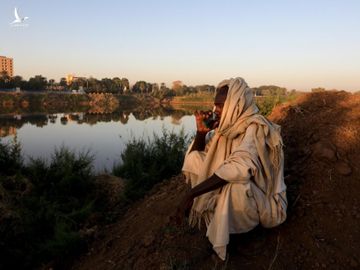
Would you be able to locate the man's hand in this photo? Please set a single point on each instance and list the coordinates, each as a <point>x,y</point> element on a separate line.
<point>202,129</point>
<point>184,208</point>
<point>200,117</point>
<point>210,184</point>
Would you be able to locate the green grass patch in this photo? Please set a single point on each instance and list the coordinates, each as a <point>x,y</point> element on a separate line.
<point>267,103</point>
<point>148,162</point>
<point>202,97</point>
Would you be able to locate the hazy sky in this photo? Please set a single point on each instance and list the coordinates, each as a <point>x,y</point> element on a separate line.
<point>295,44</point>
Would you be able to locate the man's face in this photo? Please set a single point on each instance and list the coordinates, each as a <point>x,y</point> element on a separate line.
<point>218,109</point>
<point>219,101</point>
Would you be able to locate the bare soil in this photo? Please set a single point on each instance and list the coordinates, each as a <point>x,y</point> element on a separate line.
<point>321,133</point>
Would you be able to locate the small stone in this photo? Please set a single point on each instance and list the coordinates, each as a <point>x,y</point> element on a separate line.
<point>148,239</point>
<point>325,150</point>
<point>354,263</point>
<point>300,212</point>
<point>343,168</point>
<point>323,265</point>
<point>339,214</point>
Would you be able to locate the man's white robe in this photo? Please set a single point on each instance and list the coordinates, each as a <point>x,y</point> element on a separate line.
<point>249,198</point>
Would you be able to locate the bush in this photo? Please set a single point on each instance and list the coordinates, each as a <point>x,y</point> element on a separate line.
<point>267,103</point>
<point>10,158</point>
<point>148,162</point>
<point>43,207</point>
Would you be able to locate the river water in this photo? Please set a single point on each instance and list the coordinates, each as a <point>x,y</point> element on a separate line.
<point>104,135</point>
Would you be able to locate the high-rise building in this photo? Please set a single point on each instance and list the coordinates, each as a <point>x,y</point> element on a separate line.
<point>6,64</point>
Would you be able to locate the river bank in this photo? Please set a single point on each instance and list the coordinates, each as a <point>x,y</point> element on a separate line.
<point>22,103</point>
<point>206,100</point>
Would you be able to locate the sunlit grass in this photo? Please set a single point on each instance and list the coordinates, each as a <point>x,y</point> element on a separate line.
<point>147,162</point>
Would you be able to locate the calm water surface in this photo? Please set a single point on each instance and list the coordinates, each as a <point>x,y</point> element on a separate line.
<point>104,135</point>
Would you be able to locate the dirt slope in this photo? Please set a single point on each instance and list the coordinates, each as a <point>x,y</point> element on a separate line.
<point>321,132</point>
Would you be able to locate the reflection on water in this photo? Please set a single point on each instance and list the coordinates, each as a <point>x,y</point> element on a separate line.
<point>104,135</point>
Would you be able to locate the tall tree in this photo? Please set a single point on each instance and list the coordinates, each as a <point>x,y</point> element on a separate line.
<point>126,84</point>
<point>37,83</point>
<point>63,82</point>
<point>117,84</point>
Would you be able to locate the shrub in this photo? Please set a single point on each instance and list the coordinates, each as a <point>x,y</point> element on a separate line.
<point>147,162</point>
<point>41,221</point>
<point>267,103</point>
<point>10,158</point>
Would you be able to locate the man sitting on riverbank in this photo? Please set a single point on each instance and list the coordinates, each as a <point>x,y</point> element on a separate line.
<point>237,175</point>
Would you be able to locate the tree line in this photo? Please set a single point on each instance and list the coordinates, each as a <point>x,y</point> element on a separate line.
<point>119,85</point>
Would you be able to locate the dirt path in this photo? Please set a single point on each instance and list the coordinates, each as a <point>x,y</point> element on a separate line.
<point>321,132</point>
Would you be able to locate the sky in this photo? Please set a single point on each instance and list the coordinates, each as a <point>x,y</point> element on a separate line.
<point>294,44</point>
